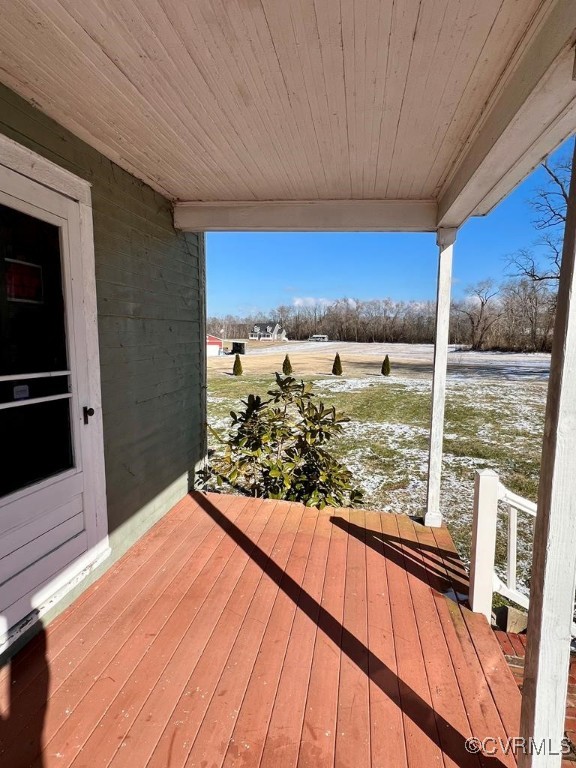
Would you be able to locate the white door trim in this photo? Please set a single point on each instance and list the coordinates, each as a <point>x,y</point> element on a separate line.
<point>27,163</point>
<point>76,208</point>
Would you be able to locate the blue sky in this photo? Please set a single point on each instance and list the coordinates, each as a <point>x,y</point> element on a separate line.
<point>250,272</point>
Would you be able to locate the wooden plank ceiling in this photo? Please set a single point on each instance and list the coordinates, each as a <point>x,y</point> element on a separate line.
<point>249,100</point>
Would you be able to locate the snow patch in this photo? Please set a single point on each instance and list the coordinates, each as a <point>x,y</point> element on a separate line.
<point>344,385</point>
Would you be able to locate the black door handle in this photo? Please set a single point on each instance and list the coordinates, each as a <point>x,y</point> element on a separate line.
<point>87,413</point>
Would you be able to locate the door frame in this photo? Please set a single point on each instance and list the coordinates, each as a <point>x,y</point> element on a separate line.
<point>77,201</point>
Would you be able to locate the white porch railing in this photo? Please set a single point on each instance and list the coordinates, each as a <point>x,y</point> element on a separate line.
<point>490,496</point>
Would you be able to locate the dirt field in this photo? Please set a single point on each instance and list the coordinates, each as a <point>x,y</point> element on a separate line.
<point>316,358</point>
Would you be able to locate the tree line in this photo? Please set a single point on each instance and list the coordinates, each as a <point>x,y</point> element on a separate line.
<point>517,315</point>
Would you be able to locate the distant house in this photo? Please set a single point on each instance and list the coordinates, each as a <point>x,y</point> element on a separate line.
<point>214,345</point>
<point>268,331</point>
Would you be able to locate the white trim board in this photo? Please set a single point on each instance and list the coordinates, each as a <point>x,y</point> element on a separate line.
<point>27,163</point>
<point>52,594</point>
<point>308,216</point>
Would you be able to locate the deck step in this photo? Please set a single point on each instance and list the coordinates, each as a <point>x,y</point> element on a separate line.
<point>514,647</point>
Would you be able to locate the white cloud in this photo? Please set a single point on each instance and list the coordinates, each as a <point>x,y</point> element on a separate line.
<point>311,301</point>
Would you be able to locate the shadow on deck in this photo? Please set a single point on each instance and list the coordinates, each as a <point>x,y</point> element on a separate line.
<point>241,632</point>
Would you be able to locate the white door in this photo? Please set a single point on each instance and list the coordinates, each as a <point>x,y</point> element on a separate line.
<point>52,508</point>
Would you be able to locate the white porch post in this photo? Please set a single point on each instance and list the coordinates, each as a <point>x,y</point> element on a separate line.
<point>445,239</point>
<point>483,550</point>
<point>554,560</point>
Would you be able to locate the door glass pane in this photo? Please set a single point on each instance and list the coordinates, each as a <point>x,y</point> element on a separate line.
<point>38,443</point>
<point>35,439</point>
<point>32,325</point>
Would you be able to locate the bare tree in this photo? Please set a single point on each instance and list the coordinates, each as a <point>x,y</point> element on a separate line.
<point>525,263</point>
<point>528,308</point>
<point>481,310</point>
<point>549,205</point>
<point>551,200</point>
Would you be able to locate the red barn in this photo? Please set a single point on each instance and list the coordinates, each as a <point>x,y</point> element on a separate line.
<point>213,345</point>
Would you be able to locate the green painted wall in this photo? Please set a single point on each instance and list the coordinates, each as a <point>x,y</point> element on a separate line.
<point>150,286</point>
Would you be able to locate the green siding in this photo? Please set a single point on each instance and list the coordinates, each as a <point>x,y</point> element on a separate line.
<point>150,287</point>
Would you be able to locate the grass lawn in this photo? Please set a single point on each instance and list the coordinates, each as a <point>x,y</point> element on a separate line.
<point>494,424</point>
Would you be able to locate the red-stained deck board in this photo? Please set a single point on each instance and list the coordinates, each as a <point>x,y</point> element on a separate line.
<point>353,725</point>
<point>222,679</point>
<point>505,643</point>
<point>477,700</point>
<point>129,620</point>
<point>105,595</point>
<point>499,678</point>
<point>420,727</point>
<point>387,742</point>
<point>317,747</point>
<point>251,725</point>
<point>180,718</point>
<point>218,722</point>
<point>517,645</point>
<point>181,640</point>
<point>250,633</point>
<point>90,693</point>
<point>284,736</point>
<point>452,721</point>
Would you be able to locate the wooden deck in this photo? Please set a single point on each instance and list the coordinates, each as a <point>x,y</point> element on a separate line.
<point>248,633</point>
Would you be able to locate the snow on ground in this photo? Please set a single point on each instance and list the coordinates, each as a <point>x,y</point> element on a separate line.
<point>394,434</point>
<point>399,351</point>
<point>346,385</point>
<point>513,366</point>
<point>371,483</point>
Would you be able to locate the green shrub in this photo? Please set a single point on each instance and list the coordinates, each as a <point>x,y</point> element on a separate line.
<point>275,449</point>
<point>386,366</point>
<point>286,366</point>
<point>337,366</point>
<point>237,369</point>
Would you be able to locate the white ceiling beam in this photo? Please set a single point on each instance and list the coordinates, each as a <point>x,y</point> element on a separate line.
<point>532,113</point>
<point>308,216</point>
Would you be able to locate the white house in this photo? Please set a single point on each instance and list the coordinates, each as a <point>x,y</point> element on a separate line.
<point>268,331</point>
